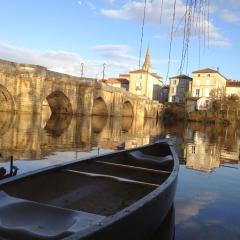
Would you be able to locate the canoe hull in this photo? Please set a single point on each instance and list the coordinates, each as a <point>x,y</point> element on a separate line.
<point>140,224</point>
<point>137,220</point>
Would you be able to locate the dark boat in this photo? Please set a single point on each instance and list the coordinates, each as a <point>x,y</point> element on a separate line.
<point>122,195</point>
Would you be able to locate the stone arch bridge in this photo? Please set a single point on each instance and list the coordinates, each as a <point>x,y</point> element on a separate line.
<point>26,88</point>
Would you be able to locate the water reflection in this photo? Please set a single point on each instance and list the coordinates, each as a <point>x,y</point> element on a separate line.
<point>57,124</point>
<point>29,137</point>
<point>209,147</point>
<point>205,148</point>
<point>207,199</point>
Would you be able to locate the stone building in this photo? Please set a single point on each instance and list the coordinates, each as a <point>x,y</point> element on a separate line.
<point>233,88</point>
<point>179,85</point>
<point>118,82</point>
<point>144,82</point>
<point>164,94</point>
<point>204,82</point>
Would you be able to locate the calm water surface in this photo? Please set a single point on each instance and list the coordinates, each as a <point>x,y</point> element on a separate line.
<point>207,203</point>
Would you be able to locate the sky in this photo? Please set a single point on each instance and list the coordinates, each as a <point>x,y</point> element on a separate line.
<point>63,34</point>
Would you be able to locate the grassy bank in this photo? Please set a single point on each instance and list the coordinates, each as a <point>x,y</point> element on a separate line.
<point>175,112</point>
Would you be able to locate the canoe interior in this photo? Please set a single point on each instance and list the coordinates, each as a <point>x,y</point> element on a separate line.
<point>103,186</point>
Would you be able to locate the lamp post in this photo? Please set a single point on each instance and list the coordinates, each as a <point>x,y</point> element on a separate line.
<point>104,68</point>
<point>82,68</point>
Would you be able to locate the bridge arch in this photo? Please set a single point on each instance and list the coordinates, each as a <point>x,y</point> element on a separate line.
<point>59,103</point>
<point>99,107</point>
<point>127,109</point>
<point>6,100</point>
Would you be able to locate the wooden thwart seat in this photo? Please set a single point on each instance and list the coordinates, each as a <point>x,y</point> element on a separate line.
<point>134,167</point>
<point>120,179</point>
<point>145,158</point>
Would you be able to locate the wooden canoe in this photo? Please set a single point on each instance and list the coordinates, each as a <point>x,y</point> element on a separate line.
<point>122,195</point>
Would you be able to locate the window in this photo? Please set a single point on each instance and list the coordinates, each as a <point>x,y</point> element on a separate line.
<point>193,149</point>
<point>199,75</point>
<point>173,90</point>
<point>140,76</point>
<point>197,92</point>
<point>206,91</point>
<point>138,86</point>
<point>207,103</point>
<point>208,75</point>
<point>174,82</point>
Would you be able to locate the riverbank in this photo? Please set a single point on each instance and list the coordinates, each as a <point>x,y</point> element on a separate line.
<point>175,112</point>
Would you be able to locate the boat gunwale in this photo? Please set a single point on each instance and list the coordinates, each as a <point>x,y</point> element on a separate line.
<point>104,223</point>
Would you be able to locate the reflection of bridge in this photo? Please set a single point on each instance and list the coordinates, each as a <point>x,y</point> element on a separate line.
<point>32,89</point>
<point>28,137</point>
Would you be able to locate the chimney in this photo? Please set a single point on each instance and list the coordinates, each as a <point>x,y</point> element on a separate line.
<point>218,69</point>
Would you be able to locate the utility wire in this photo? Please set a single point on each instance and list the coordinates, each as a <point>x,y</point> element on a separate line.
<point>171,38</point>
<point>161,11</point>
<point>141,42</point>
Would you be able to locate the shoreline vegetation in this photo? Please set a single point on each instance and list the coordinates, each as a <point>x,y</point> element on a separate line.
<point>216,115</point>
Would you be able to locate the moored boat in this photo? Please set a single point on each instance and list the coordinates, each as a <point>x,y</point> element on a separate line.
<point>121,195</point>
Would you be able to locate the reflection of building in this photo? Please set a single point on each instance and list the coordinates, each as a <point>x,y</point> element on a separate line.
<point>200,154</point>
<point>208,147</point>
<point>179,85</point>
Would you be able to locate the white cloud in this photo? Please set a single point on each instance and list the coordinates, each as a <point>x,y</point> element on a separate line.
<point>80,2</point>
<point>134,11</point>
<point>115,56</point>
<point>186,210</point>
<point>118,55</point>
<point>229,16</point>
<point>117,52</point>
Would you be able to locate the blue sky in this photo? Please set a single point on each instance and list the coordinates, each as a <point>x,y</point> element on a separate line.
<point>61,34</point>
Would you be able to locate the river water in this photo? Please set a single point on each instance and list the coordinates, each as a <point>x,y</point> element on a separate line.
<point>207,202</point>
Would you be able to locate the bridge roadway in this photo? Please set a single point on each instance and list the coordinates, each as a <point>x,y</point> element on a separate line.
<point>33,89</point>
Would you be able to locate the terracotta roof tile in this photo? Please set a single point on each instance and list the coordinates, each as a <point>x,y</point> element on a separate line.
<point>233,84</point>
<point>182,76</point>
<point>206,70</point>
<point>117,80</point>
